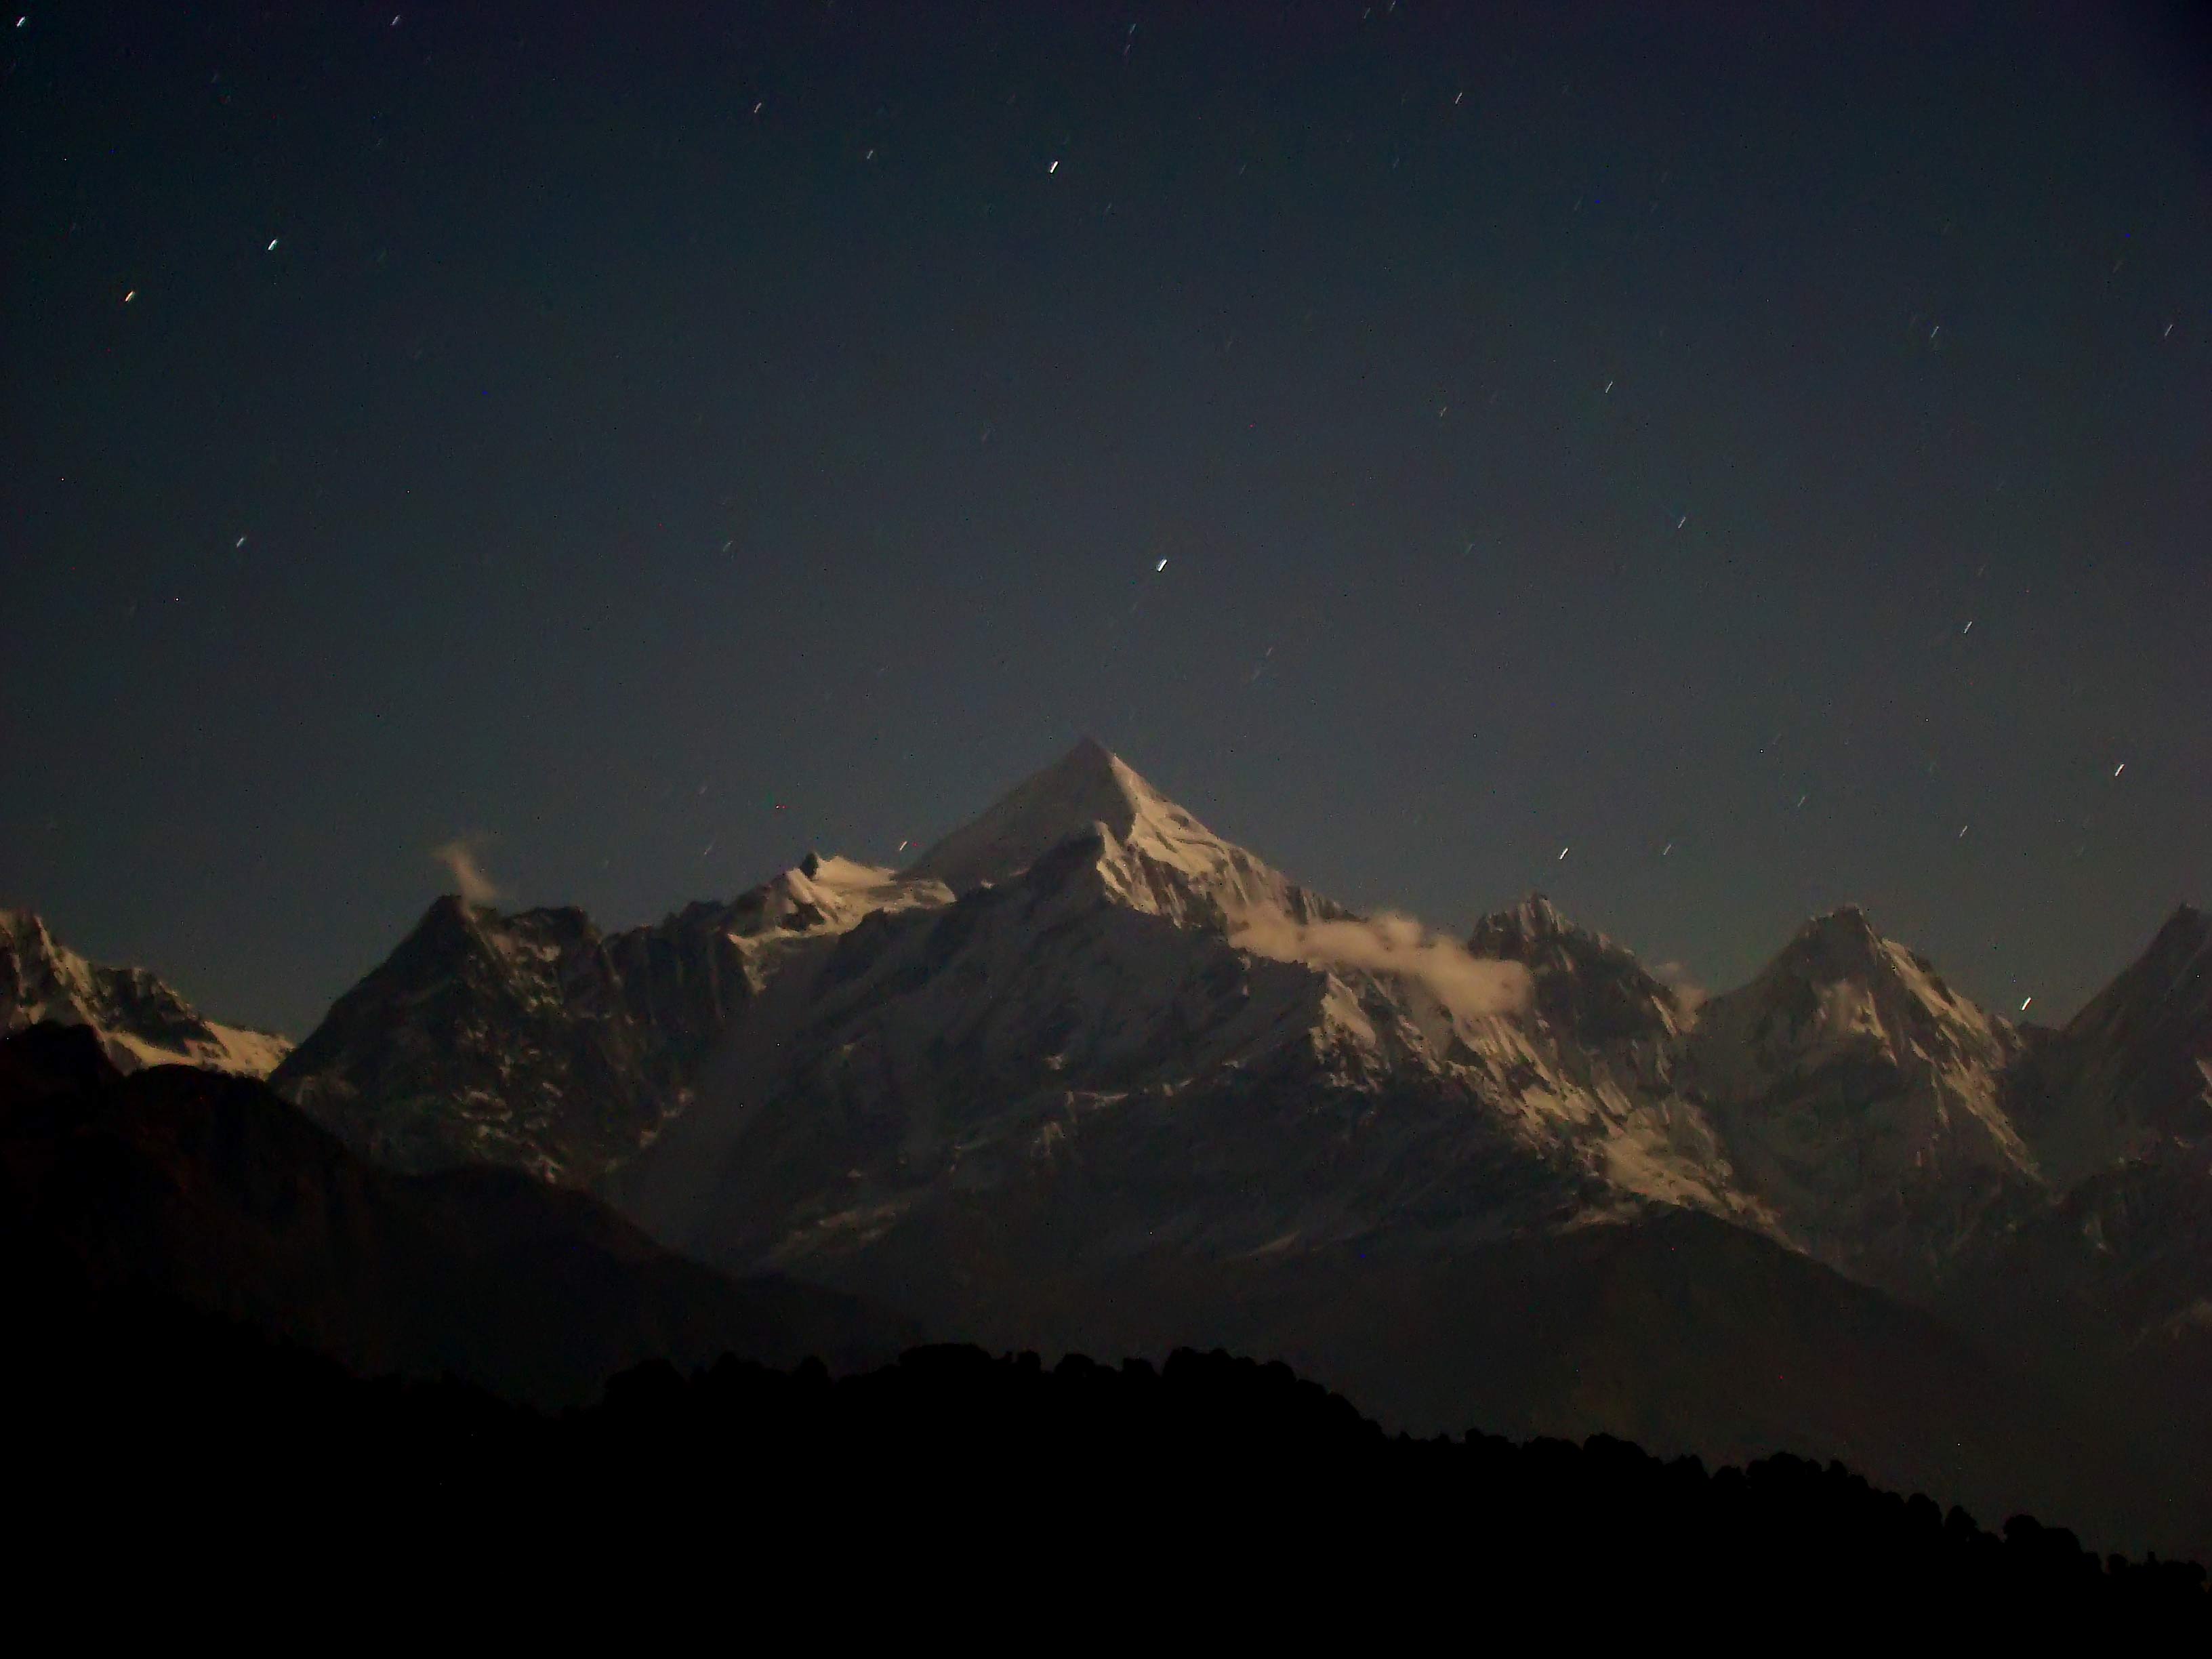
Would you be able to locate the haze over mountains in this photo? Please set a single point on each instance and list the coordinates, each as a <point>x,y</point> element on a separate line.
<point>1086,1076</point>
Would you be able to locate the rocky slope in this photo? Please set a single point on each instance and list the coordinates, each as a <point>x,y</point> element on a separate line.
<point>139,1020</point>
<point>537,1042</point>
<point>2131,1074</point>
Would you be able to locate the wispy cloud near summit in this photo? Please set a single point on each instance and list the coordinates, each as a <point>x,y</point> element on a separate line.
<point>459,855</point>
<point>1471,987</point>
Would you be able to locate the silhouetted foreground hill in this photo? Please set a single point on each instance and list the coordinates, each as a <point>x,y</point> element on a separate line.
<point>952,1492</point>
<point>214,1190</point>
<point>1674,1330</point>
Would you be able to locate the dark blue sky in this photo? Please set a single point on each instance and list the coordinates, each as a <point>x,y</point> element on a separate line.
<point>667,438</point>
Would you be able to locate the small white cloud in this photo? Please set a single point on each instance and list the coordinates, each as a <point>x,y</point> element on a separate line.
<point>1471,987</point>
<point>459,855</point>
<point>1677,978</point>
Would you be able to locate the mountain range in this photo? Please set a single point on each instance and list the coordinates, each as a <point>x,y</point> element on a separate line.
<point>1086,990</point>
<point>1086,1075</point>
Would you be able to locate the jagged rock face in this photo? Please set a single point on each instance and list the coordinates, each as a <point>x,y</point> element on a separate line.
<point>535,1040</point>
<point>139,1019</point>
<point>1589,990</point>
<point>506,1040</point>
<point>1860,1097</point>
<point>2131,1073</point>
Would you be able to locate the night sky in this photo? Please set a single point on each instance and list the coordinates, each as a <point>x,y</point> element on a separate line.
<point>1768,457</point>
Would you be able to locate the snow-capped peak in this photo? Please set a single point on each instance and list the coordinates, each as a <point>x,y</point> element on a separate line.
<point>1839,981</point>
<point>1856,1089</point>
<point>1088,787</point>
<point>1150,854</point>
<point>139,1019</point>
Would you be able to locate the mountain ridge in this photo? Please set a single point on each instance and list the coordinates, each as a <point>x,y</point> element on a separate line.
<point>139,1019</point>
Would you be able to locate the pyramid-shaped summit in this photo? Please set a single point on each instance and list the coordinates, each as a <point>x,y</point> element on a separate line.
<point>1152,855</point>
<point>1089,786</point>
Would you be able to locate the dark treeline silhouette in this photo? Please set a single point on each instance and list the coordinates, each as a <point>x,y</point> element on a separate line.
<point>1208,1474</point>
